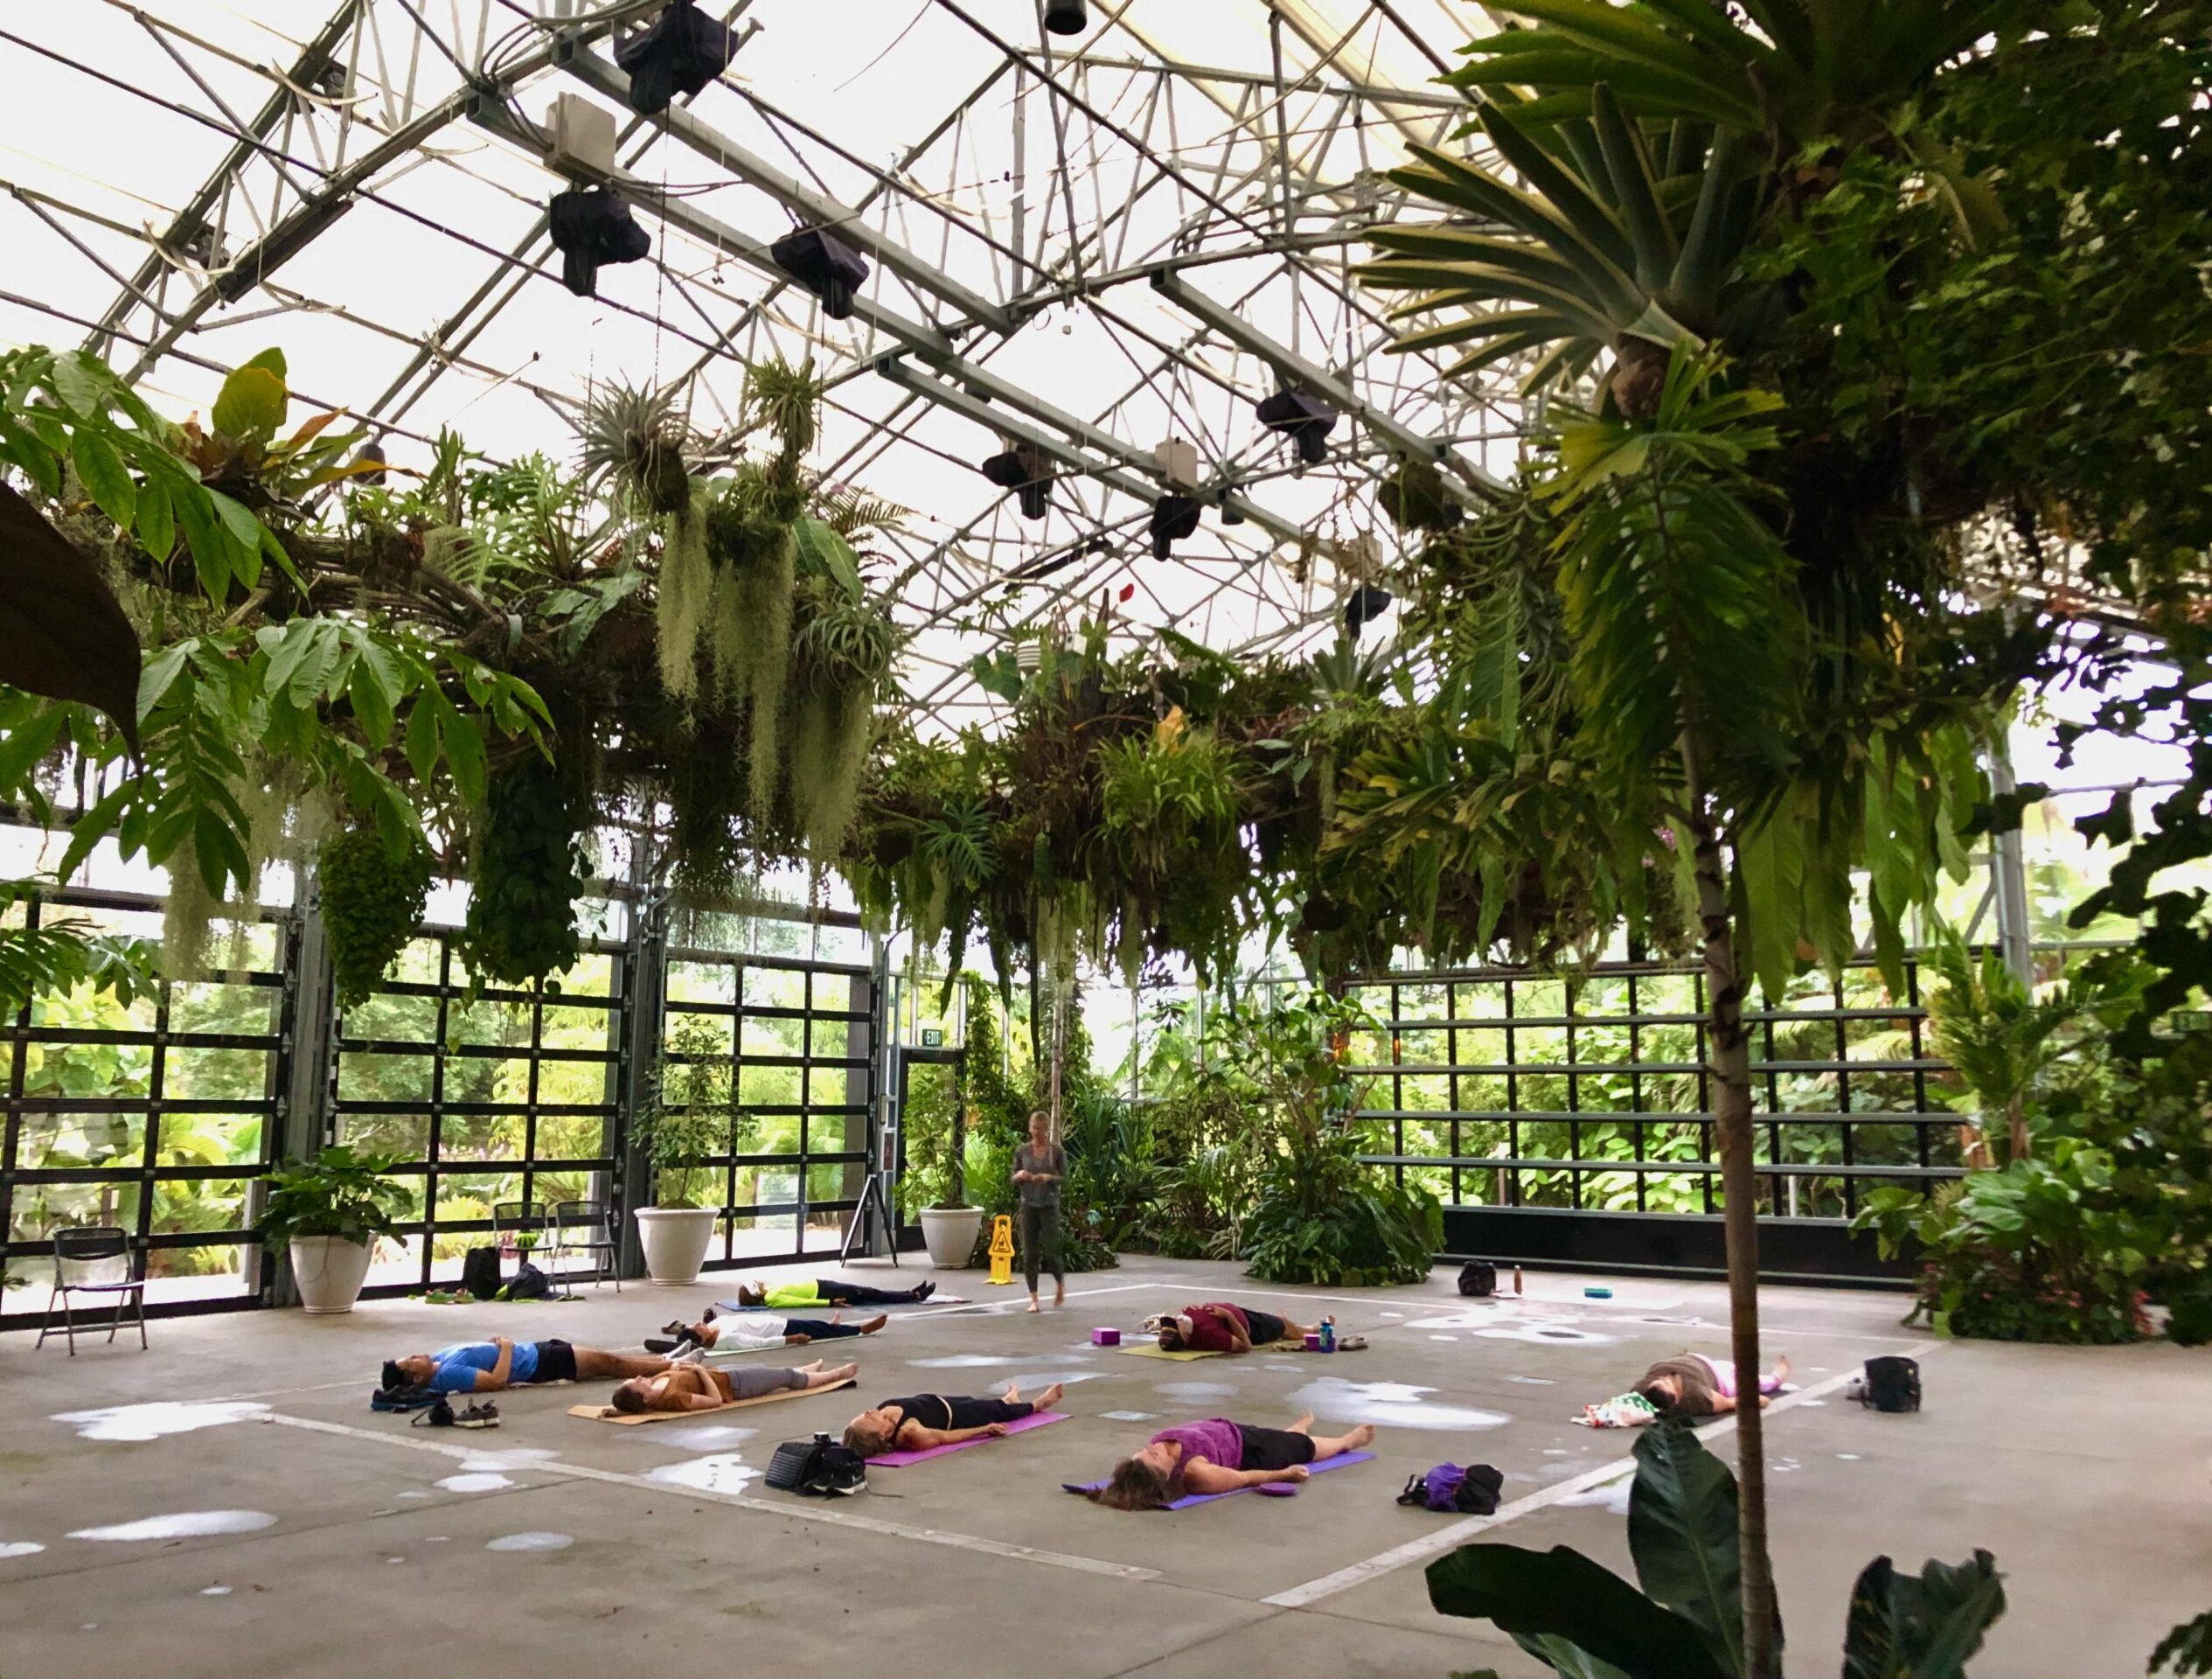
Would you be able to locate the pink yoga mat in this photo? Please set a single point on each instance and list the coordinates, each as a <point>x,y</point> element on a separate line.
<point>900,1459</point>
<point>1185,1502</point>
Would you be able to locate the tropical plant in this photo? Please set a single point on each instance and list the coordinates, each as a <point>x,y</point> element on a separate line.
<point>337,1193</point>
<point>1686,1622</point>
<point>688,1112</point>
<point>528,877</point>
<point>2186,1650</point>
<point>371,901</point>
<point>59,953</point>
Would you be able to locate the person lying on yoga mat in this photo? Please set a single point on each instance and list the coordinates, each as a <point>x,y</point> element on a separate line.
<point>488,1366</point>
<point>1219,1327</point>
<point>1694,1385</point>
<point>924,1420</point>
<point>694,1387</point>
<point>1219,1456</point>
<point>828,1290</point>
<point>738,1333</point>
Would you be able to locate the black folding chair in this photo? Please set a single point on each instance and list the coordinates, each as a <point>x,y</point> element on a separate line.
<point>517,1217</point>
<point>595,1222</point>
<point>87,1260</point>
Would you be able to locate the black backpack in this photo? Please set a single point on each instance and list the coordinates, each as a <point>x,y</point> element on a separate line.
<point>1479,1278</point>
<point>820,1467</point>
<point>1891,1384</point>
<point>480,1272</point>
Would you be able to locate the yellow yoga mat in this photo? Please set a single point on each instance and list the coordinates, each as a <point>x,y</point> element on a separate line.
<point>1153,1349</point>
<point>625,1419</point>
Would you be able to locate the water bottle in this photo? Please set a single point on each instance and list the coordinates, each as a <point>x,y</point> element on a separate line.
<point>1328,1337</point>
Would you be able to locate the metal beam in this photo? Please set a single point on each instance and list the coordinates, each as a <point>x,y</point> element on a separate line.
<point>1319,380</point>
<point>817,209</point>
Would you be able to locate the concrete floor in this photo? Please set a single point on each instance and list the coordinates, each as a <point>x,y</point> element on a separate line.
<point>2085,1472</point>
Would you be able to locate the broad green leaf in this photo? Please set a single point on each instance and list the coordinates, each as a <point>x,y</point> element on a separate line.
<point>158,676</point>
<point>464,755</point>
<point>39,463</point>
<point>23,745</point>
<point>252,403</point>
<point>1561,1593</point>
<point>273,359</point>
<point>156,523</point>
<point>1924,1626</point>
<point>819,543</point>
<point>1682,1532</point>
<point>78,382</point>
<point>244,532</point>
<point>105,477</point>
<point>422,733</point>
<point>374,691</point>
<point>92,827</point>
<point>210,543</point>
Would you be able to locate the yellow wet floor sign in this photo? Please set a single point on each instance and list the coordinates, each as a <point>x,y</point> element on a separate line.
<point>1002,1249</point>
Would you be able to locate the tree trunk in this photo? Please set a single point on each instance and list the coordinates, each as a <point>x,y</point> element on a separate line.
<point>1729,1055</point>
<point>2017,1129</point>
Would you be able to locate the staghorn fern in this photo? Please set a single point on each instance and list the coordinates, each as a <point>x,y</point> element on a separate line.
<point>786,399</point>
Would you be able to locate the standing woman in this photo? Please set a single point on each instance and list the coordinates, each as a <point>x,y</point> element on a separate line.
<point>1039,1164</point>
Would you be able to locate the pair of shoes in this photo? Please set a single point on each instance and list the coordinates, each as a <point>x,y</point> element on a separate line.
<point>1353,1344</point>
<point>661,1344</point>
<point>483,1416</point>
<point>924,1290</point>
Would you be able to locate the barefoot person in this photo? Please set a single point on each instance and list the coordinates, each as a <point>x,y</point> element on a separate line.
<point>489,1366</point>
<point>1219,1456</point>
<point>1694,1385</point>
<point>694,1387</point>
<point>924,1420</point>
<point>1039,1164</point>
<point>1219,1327</point>
<point>743,1332</point>
<point>827,1291</point>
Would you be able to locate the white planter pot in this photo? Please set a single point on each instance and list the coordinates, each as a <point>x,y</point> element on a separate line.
<point>675,1240</point>
<point>328,1271</point>
<point>950,1234</point>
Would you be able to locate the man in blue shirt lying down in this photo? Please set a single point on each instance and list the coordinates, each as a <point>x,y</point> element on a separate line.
<point>489,1366</point>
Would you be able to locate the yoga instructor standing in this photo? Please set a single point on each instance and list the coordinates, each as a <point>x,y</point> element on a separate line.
<point>1039,1164</point>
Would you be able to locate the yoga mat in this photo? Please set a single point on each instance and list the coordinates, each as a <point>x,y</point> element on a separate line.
<point>1184,1502</point>
<point>624,1419</point>
<point>826,1306</point>
<point>900,1459</point>
<point>1153,1349</point>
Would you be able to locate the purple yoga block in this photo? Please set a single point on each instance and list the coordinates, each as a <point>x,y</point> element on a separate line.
<point>1105,1337</point>
<point>1314,1343</point>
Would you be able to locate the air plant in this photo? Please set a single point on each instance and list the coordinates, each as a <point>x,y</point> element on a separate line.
<point>635,432</point>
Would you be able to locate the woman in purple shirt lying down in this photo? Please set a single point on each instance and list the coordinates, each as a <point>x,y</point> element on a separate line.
<point>1219,1456</point>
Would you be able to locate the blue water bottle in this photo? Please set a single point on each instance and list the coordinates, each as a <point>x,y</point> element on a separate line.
<point>1328,1336</point>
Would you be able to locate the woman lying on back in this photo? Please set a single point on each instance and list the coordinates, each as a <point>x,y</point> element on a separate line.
<point>694,1387</point>
<point>1219,1456</point>
<point>924,1420</point>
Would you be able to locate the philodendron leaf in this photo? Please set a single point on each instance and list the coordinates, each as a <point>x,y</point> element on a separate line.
<point>252,403</point>
<point>62,632</point>
<point>1924,1626</point>
<point>1559,1594</point>
<point>1682,1532</point>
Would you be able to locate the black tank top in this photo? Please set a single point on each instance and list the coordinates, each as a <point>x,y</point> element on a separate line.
<point>930,1410</point>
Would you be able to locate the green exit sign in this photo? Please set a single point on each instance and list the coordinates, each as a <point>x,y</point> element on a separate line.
<point>933,1037</point>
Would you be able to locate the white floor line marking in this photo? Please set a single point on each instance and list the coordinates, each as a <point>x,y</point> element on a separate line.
<point>798,1513</point>
<point>1448,1538</point>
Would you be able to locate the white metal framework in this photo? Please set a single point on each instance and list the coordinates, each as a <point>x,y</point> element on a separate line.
<point>1087,243</point>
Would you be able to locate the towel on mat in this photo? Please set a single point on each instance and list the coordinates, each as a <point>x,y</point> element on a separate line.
<point>1189,1499</point>
<point>1019,1425</point>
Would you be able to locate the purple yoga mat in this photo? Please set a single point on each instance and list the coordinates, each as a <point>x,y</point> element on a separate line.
<point>900,1459</point>
<point>1185,1504</point>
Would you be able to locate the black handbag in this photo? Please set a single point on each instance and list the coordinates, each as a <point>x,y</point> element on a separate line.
<point>819,1467</point>
<point>1479,1278</point>
<point>1891,1384</point>
<point>480,1272</point>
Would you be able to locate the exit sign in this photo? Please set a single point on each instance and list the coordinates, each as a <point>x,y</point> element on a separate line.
<point>933,1037</point>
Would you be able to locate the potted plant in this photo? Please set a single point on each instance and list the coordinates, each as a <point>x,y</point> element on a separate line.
<point>949,1228</point>
<point>327,1214</point>
<point>687,1114</point>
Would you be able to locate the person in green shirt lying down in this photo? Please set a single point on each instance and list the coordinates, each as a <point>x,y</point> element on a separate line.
<point>823,1290</point>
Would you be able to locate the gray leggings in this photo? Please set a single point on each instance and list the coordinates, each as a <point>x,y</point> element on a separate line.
<point>747,1381</point>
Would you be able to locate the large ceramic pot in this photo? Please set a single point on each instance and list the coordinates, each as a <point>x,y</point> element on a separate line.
<point>950,1234</point>
<point>328,1271</point>
<point>675,1239</point>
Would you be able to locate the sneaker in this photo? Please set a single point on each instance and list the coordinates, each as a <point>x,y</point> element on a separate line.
<point>483,1416</point>
<point>924,1290</point>
<point>661,1344</point>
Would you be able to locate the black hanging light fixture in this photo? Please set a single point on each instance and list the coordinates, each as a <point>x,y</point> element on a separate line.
<point>1363,606</point>
<point>825,265</point>
<point>679,52</point>
<point>1306,421</point>
<point>1066,17</point>
<point>1026,473</point>
<point>1173,518</point>
<point>591,227</point>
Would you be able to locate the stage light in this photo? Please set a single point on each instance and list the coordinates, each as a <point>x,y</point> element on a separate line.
<point>825,265</point>
<point>1066,17</point>
<point>1306,421</point>
<point>1173,519</point>
<point>1363,606</point>
<point>1023,471</point>
<point>591,227</point>
<point>679,52</point>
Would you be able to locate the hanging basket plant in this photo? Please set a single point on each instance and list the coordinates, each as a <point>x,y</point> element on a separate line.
<point>529,875</point>
<point>372,902</point>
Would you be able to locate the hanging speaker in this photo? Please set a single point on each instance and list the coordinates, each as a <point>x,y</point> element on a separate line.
<point>1023,471</point>
<point>679,52</point>
<point>825,265</point>
<point>1066,17</point>
<point>591,227</point>
<point>1173,519</point>
<point>1304,420</point>
<point>1363,606</point>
